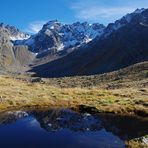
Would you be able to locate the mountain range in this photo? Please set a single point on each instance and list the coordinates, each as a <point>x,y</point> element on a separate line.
<point>59,50</point>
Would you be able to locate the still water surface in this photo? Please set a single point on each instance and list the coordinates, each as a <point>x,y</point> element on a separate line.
<point>64,128</point>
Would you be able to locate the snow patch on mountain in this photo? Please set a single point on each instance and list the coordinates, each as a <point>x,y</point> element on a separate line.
<point>60,47</point>
<point>20,36</point>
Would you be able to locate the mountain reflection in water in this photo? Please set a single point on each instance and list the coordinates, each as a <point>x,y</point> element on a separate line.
<point>53,128</point>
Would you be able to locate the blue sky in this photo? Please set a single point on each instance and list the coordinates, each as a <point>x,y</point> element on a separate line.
<point>30,15</point>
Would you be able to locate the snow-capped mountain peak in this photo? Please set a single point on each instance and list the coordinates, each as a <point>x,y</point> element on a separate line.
<point>57,36</point>
<point>51,25</point>
<point>14,33</point>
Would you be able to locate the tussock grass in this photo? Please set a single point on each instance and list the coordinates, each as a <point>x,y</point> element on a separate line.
<point>18,93</point>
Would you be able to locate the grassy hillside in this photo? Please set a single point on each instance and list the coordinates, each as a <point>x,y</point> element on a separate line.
<point>124,91</point>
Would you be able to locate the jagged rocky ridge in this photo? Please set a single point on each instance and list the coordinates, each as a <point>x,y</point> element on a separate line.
<point>13,32</point>
<point>55,36</point>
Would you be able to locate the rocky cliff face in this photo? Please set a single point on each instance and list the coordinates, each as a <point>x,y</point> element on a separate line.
<point>12,58</point>
<point>6,49</point>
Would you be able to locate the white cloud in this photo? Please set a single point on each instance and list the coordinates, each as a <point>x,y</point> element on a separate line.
<point>103,11</point>
<point>95,13</point>
<point>35,26</point>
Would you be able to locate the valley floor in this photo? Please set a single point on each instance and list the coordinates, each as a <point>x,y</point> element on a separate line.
<point>16,92</point>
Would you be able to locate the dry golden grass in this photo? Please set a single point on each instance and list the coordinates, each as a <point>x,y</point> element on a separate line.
<point>18,93</point>
<point>137,143</point>
<point>134,144</point>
